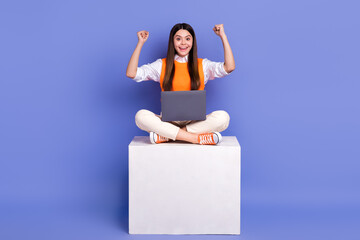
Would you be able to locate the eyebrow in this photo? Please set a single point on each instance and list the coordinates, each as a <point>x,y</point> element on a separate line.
<point>180,36</point>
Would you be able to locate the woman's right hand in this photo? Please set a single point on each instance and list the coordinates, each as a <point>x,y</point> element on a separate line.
<point>143,36</point>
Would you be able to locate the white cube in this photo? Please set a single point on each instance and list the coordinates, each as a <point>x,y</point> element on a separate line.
<point>183,188</point>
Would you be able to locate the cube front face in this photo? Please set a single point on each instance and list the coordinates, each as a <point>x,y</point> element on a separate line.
<point>181,188</point>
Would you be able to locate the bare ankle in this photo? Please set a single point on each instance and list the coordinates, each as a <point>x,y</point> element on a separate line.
<point>187,136</point>
<point>196,138</point>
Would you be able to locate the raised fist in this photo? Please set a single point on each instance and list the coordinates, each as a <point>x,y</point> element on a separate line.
<point>143,36</point>
<point>219,30</point>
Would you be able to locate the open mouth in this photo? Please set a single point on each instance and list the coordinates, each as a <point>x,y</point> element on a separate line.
<point>183,49</point>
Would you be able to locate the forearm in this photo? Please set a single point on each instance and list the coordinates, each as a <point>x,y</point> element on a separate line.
<point>229,62</point>
<point>134,61</point>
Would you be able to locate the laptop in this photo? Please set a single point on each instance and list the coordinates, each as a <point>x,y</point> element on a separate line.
<point>183,105</point>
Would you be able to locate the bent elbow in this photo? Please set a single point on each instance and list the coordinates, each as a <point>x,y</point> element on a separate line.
<point>129,75</point>
<point>230,69</point>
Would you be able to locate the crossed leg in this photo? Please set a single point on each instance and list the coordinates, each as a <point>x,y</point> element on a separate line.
<point>148,121</point>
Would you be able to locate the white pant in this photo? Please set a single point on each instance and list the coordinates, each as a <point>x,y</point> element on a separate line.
<point>216,121</point>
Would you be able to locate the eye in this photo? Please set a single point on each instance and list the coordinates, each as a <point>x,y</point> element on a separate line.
<point>188,39</point>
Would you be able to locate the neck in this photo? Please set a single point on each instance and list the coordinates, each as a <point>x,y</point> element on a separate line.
<point>182,55</point>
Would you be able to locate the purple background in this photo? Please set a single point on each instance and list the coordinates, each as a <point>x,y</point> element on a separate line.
<point>67,112</point>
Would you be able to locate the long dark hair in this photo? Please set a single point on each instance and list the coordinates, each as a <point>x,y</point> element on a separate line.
<point>192,59</point>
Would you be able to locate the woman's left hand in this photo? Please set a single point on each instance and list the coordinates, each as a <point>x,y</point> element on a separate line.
<point>219,30</point>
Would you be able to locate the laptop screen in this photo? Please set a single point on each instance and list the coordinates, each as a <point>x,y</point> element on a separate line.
<point>183,105</point>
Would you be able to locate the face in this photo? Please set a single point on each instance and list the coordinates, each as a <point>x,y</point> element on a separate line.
<point>183,42</point>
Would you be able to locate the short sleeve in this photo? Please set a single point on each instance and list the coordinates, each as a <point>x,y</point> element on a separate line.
<point>213,70</point>
<point>150,71</point>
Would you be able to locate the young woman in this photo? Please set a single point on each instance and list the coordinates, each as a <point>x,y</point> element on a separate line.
<point>182,70</point>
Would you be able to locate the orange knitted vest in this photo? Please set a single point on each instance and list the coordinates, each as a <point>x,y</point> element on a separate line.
<point>182,80</point>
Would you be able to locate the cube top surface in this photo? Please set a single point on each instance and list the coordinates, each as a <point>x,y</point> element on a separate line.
<point>227,141</point>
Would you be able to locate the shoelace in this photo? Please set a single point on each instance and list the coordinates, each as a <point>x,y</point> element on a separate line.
<point>162,139</point>
<point>206,139</point>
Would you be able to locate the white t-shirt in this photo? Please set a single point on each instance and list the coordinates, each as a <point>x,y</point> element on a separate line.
<point>152,71</point>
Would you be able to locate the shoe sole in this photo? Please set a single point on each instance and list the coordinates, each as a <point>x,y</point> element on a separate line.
<point>152,137</point>
<point>219,137</point>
